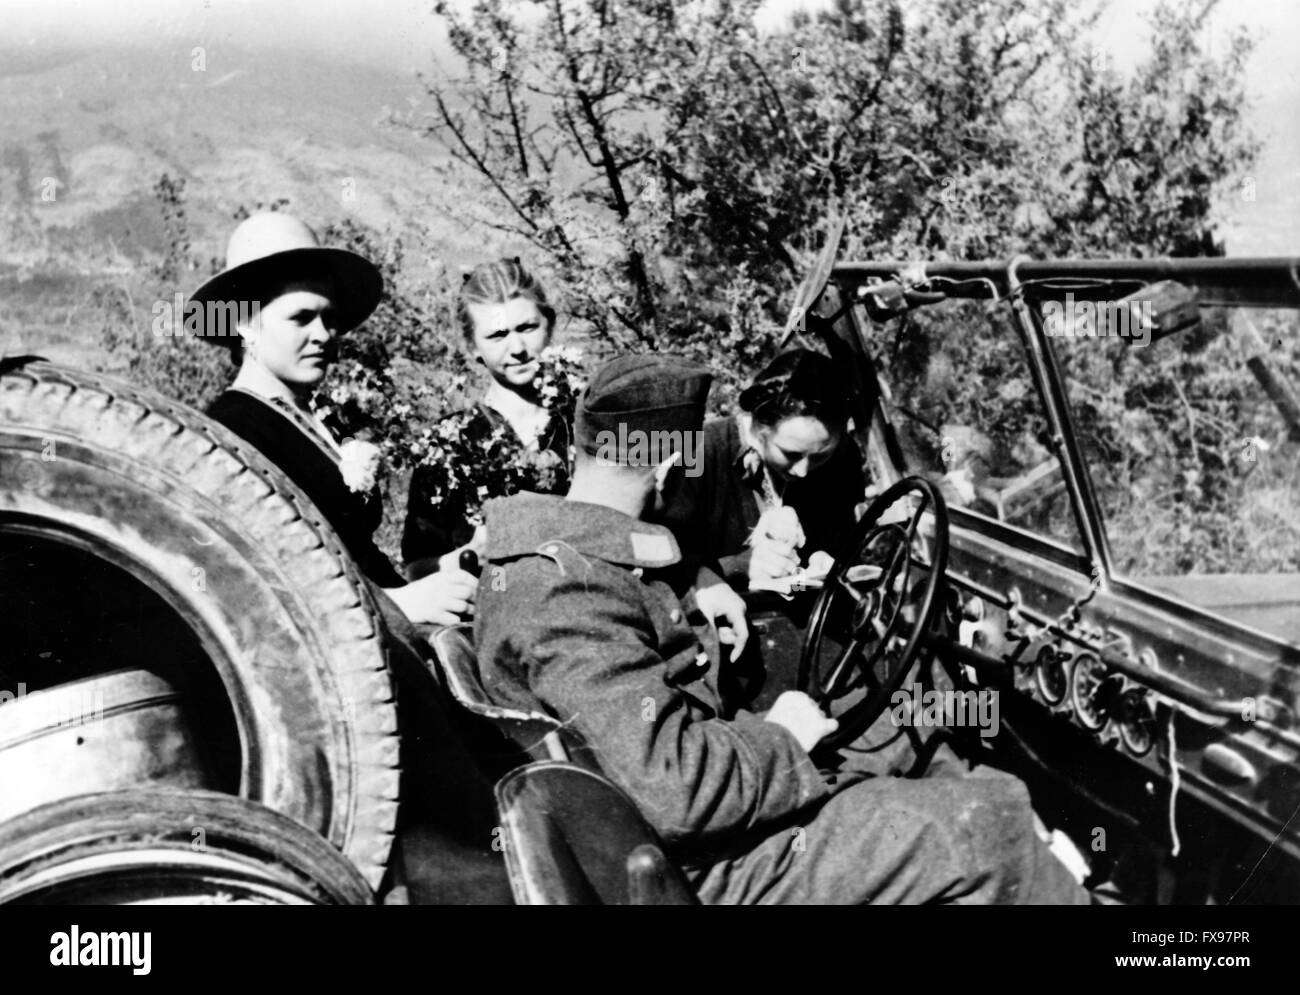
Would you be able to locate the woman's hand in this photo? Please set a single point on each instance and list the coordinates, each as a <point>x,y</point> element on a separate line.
<point>775,544</point>
<point>771,558</point>
<point>442,598</point>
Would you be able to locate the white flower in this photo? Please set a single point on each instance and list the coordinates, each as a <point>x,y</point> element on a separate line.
<point>963,482</point>
<point>568,353</point>
<point>359,464</point>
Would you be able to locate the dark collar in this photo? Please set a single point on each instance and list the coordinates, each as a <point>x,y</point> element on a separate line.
<point>525,524</point>
<point>747,470</point>
<point>295,416</point>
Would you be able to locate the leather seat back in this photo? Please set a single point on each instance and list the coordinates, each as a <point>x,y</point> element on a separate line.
<point>539,735</point>
<point>573,838</point>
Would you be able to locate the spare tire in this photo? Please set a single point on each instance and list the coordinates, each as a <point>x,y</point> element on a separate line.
<point>169,846</point>
<point>201,519</point>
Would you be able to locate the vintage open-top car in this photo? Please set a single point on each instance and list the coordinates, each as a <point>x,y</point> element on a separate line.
<point>1078,559</point>
<point>1117,446</point>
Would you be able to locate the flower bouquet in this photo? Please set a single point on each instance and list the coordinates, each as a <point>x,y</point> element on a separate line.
<point>471,457</point>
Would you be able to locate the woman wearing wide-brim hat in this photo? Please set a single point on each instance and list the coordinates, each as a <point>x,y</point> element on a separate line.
<point>280,305</point>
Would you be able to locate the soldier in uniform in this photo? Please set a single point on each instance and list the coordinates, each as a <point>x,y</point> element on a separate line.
<point>580,617</point>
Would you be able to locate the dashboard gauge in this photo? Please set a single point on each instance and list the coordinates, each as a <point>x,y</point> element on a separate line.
<point>1052,671</point>
<point>1137,721</point>
<point>1086,691</point>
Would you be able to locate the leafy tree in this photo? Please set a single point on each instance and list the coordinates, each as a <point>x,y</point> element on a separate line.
<point>401,370</point>
<point>678,169</point>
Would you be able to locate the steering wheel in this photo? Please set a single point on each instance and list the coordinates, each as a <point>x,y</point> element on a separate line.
<point>874,600</point>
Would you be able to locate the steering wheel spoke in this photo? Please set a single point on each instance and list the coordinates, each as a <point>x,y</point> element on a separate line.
<point>836,682</point>
<point>851,590</point>
<point>922,503</point>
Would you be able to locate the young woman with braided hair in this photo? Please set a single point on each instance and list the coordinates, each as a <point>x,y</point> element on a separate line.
<point>507,322</point>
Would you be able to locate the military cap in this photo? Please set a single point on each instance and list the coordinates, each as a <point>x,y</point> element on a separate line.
<point>638,397</point>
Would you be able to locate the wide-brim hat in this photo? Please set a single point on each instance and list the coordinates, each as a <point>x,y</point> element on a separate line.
<point>271,249</point>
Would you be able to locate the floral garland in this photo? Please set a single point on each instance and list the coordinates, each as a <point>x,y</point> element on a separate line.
<point>467,465</point>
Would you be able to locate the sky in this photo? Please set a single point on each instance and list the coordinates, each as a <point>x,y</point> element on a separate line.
<point>400,33</point>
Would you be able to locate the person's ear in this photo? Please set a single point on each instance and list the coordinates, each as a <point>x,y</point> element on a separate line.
<point>663,469</point>
<point>247,331</point>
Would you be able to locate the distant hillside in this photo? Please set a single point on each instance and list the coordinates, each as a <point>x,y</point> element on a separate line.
<point>99,128</point>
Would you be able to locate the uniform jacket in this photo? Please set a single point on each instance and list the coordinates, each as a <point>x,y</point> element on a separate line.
<point>579,616</point>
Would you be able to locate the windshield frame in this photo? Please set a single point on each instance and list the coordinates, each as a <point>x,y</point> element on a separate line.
<point>1262,283</point>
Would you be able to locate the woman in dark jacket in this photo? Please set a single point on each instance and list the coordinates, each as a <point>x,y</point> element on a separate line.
<point>290,300</point>
<point>302,297</point>
<point>507,323</point>
<point>787,448</point>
